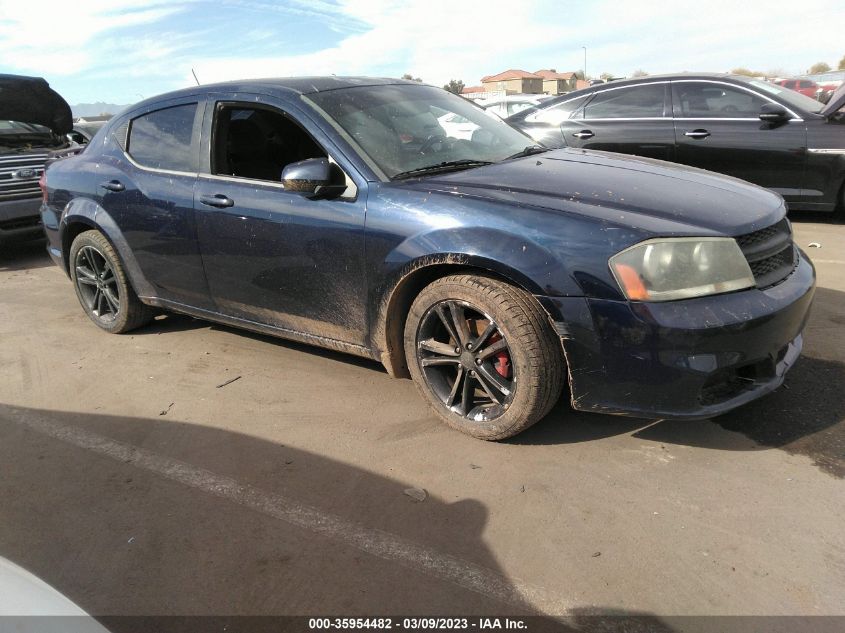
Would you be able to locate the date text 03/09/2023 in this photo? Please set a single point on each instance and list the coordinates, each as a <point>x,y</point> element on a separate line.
<point>414,624</point>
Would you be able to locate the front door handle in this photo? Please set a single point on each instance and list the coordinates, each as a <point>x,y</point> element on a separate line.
<point>697,134</point>
<point>584,134</point>
<point>112,185</point>
<point>217,200</point>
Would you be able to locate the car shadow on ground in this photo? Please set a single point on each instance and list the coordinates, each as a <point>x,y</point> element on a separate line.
<point>24,255</point>
<point>801,217</point>
<point>136,516</point>
<point>170,323</point>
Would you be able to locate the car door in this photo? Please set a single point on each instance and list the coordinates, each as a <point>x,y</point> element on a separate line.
<point>627,119</point>
<point>273,256</point>
<point>717,127</point>
<point>147,190</point>
<point>545,123</point>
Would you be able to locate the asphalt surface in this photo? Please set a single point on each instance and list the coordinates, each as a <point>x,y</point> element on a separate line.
<point>133,483</point>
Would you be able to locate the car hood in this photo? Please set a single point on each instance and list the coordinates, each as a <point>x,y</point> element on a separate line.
<point>652,195</point>
<point>837,100</point>
<point>31,100</point>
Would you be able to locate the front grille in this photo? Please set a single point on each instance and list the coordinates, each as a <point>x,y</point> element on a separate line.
<point>770,253</point>
<point>12,185</point>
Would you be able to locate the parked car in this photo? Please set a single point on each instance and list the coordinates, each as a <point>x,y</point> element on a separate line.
<point>740,126</point>
<point>509,105</point>
<point>82,133</point>
<point>806,87</point>
<point>33,122</point>
<point>828,83</point>
<point>488,269</point>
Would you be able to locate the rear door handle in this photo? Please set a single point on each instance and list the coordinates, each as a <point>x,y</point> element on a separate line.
<point>583,134</point>
<point>217,200</point>
<point>112,185</point>
<point>697,134</point>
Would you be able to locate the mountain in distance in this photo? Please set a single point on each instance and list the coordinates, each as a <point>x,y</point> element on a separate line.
<point>96,109</point>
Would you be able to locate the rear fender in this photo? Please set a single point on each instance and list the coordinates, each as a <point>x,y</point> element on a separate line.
<point>88,212</point>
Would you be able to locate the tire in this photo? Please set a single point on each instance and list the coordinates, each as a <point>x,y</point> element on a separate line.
<point>102,287</point>
<point>495,389</point>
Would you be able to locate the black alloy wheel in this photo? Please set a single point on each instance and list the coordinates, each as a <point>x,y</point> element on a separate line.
<point>483,354</point>
<point>465,360</point>
<point>97,284</point>
<point>102,287</point>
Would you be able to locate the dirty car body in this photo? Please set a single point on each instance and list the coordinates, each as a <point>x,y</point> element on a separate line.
<point>231,240</point>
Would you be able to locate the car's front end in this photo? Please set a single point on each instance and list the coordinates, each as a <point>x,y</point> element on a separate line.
<point>695,357</point>
<point>33,123</point>
<point>685,298</point>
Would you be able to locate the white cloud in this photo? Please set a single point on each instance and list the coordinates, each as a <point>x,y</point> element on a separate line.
<point>434,39</point>
<point>58,37</point>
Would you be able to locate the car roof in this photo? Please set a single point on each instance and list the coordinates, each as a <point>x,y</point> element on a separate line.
<point>280,85</point>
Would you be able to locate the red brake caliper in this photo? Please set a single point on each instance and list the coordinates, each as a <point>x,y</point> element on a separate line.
<point>503,359</point>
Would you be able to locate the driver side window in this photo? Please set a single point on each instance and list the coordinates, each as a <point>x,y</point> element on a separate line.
<point>257,143</point>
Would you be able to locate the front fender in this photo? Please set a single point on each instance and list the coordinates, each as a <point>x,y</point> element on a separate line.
<point>421,258</point>
<point>88,212</point>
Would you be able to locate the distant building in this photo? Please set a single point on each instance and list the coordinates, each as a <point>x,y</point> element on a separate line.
<point>555,83</point>
<point>474,92</point>
<point>514,81</point>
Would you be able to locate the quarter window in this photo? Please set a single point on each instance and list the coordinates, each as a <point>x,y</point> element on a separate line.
<point>165,139</point>
<point>711,100</point>
<point>635,102</point>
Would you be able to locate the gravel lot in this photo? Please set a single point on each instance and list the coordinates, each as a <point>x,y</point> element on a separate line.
<point>134,484</point>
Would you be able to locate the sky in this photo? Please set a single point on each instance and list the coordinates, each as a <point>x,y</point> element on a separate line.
<point>119,51</point>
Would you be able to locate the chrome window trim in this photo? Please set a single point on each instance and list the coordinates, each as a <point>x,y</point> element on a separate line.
<point>815,150</point>
<point>794,117</point>
<point>641,118</point>
<point>156,169</point>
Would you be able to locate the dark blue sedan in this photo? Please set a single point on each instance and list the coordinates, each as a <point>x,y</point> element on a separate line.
<point>402,223</point>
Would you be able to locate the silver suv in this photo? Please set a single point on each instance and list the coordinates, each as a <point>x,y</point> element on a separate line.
<point>33,122</point>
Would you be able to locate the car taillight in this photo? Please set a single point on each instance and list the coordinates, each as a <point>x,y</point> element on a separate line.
<point>42,184</point>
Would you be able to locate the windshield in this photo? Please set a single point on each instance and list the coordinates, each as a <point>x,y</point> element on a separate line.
<point>403,128</point>
<point>793,98</point>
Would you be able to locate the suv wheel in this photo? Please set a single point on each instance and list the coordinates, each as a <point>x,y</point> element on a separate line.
<point>102,287</point>
<point>483,354</point>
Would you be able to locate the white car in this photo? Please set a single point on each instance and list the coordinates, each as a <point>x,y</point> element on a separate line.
<point>511,104</point>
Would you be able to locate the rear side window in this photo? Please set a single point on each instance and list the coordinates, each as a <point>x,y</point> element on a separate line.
<point>635,102</point>
<point>165,139</point>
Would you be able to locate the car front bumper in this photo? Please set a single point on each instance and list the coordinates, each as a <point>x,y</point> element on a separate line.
<point>686,359</point>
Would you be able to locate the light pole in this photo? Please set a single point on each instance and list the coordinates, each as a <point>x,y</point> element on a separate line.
<point>585,62</point>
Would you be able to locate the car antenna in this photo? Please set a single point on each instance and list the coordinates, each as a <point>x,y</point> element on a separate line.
<point>195,76</point>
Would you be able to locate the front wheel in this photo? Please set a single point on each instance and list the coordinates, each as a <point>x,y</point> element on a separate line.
<point>483,354</point>
<point>102,287</point>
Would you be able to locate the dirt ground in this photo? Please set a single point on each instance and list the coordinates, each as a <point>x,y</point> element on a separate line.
<point>134,484</point>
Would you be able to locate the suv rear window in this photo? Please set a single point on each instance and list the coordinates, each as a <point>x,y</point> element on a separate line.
<point>165,139</point>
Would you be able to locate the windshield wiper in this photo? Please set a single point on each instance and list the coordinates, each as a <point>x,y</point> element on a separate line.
<point>449,165</point>
<point>528,151</point>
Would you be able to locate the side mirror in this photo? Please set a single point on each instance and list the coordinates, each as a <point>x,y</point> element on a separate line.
<point>315,177</point>
<point>772,113</point>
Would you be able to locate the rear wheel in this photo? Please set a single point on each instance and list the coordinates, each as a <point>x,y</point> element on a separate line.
<point>483,354</point>
<point>102,287</point>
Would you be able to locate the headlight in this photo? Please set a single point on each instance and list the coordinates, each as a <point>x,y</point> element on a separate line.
<point>666,269</point>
